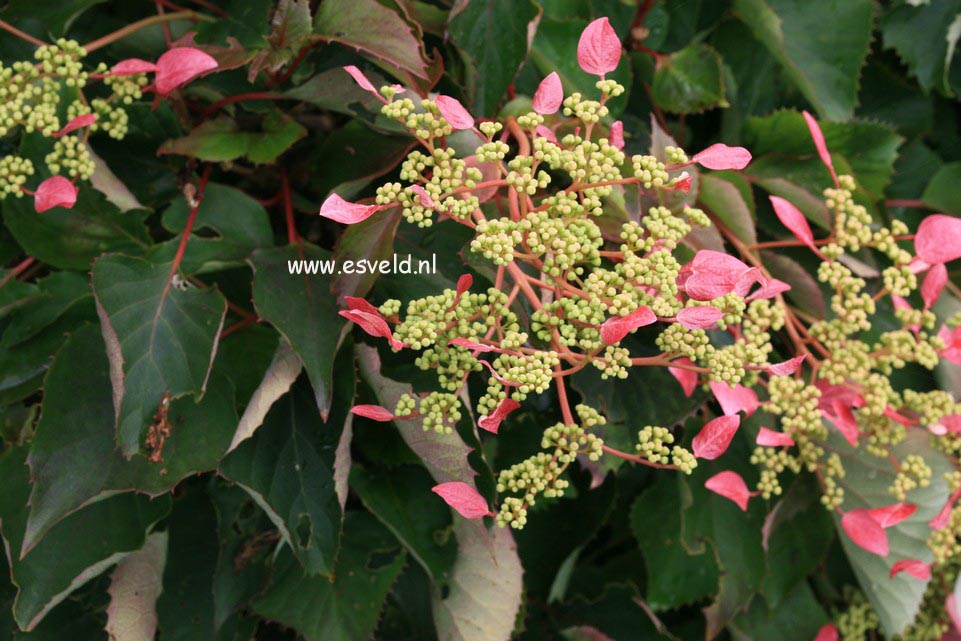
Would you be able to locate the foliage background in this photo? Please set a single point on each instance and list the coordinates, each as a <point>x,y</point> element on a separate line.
<point>277,539</point>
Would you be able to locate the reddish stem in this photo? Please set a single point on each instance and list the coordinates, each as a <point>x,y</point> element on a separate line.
<point>9,28</point>
<point>19,269</point>
<point>562,398</point>
<point>188,228</point>
<point>292,236</point>
<point>635,459</point>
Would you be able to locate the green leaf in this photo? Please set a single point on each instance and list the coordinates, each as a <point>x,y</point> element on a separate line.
<point>222,139</point>
<point>55,17</point>
<point>865,483</point>
<point>160,339</point>
<point>493,38</point>
<point>555,49</point>
<point>229,226</point>
<point>783,149</point>
<point>292,26</point>
<point>186,609</point>
<point>485,583</point>
<point>730,198</point>
<point>689,81</point>
<point>372,240</point>
<point>135,584</point>
<point>59,293</point>
<point>805,291</point>
<point>80,420</point>
<point>398,499</point>
<point>351,157</point>
<point>345,608</point>
<point>75,550</point>
<point>73,238</point>
<point>925,38</point>
<point>375,29</point>
<point>303,310</point>
<point>821,44</point>
<point>797,618</point>
<point>676,576</point>
<point>485,586</point>
<point>284,369</point>
<point>798,533</point>
<point>942,192</point>
<point>287,466</point>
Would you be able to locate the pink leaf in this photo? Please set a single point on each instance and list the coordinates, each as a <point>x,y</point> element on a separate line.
<point>730,485</point>
<point>179,66</point>
<point>373,412</point>
<point>828,632</point>
<point>599,49</point>
<point>462,497</point>
<point>77,123</point>
<point>700,317</point>
<point>683,183</point>
<point>686,377</point>
<point>55,191</point>
<point>549,95</point>
<point>617,134</point>
<point>770,438</point>
<point>719,156</point>
<point>918,569</point>
<point>341,211</point>
<point>359,303</point>
<point>934,282</point>
<point>938,239</point>
<point>500,379</point>
<point>820,145</point>
<point>865,531</point>
<point>943,517</point>
<point>951,605</point>
<point>769,289</point>
<point>715,437</point>
<point>792,218</point>
<point>132,66</point>
<point>787,367</point>
<point>361,79</point>
<point>714,274</point>
<point>735,399</point>
<point>891,515</point>
<point>614,329</point>
<point>463,284</point>
<point>471,345</point>
<point>454,113</point>
<point>545,132</point>
<point>492,421</point>
<point>373,324</point>
<point>843,417</point>
<point>422,196</point>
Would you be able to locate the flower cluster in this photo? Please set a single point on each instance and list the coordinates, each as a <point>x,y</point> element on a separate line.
<point>36,96</point>
<point>566,294</point>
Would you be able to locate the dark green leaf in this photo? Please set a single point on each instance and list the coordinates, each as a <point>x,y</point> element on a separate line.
<point>287,466</point>
<point>942,192</point>
<point>925,37</point>
<point>79,421</point>
<point>60,293</point>
<point>160,339</point>
<point>302,309</point>
<point>345,608</point>
<point>238,225</point>
<point>822,56</point>
<point>73,238</point>
<point>75,550</point>
<point>492,36</point>
<point>689,81</point>
<point>797,618</point>
<point>375,29</point>
<point>398,499</point>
